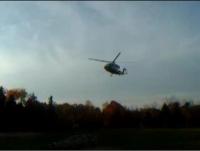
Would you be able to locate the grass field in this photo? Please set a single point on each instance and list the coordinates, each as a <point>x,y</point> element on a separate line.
<point>150,139</point>
<point>105,139</point>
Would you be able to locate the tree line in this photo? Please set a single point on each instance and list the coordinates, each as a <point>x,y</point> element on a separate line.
<point>20,111</point>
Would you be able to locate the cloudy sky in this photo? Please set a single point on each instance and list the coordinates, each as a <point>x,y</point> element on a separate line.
<point>45,46</point>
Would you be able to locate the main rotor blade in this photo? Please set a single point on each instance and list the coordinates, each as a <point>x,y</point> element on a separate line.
<point>99,60</point>
<point>126,61</point>
<point>116,56</point>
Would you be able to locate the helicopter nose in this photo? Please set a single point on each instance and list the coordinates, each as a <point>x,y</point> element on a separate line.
<point>106,67</point>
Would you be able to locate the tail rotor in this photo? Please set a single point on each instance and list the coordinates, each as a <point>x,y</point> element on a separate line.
<point>124,71</point>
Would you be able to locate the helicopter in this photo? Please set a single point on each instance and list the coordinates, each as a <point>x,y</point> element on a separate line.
<point>112,67</point>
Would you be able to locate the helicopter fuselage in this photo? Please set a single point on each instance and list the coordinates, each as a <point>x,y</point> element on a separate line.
<point>113,68</point>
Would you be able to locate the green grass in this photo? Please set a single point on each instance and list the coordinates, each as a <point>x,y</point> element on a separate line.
<point>29,140</point>
<point>149,139</point>
<point>110,139</point>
